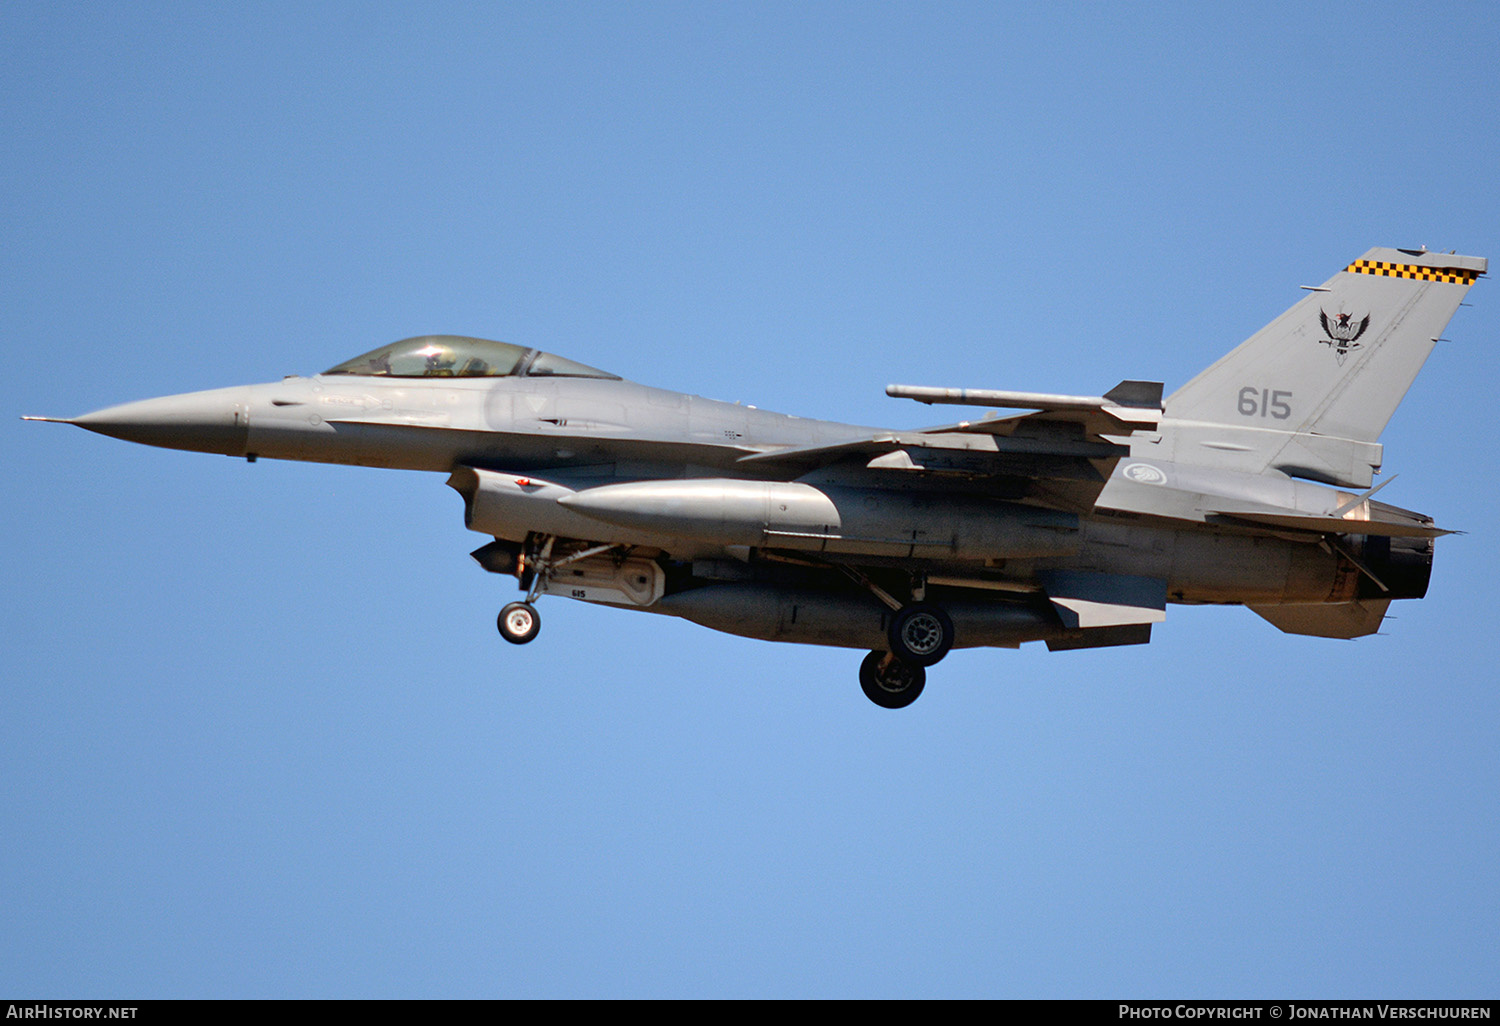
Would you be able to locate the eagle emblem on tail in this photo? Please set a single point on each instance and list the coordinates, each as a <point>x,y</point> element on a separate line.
<point>1343,332</point>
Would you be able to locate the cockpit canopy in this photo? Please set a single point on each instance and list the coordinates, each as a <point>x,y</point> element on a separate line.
<point>455,356</point>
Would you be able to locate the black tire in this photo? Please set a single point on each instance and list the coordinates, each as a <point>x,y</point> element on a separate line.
<point>921,634</point>
<point>889,682</point>
<point>519,622</point>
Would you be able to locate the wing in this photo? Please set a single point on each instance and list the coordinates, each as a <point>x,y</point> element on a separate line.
<point>1059,457</point>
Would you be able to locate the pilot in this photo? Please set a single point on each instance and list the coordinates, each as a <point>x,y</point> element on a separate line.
<point>439,362</point>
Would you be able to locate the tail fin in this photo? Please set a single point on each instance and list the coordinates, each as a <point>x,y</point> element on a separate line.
<point>1310,392</point>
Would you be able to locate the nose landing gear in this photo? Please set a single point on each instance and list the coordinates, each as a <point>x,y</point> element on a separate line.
<point>519,622</point>
<point>534,567</point>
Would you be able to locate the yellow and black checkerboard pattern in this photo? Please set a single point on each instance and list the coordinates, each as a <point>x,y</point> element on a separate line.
<point>1456,275</point>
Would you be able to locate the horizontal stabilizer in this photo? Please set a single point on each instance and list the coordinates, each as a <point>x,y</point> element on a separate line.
<point>1334,620</point>
<point>1335,525</point>
<point>1379,520</point>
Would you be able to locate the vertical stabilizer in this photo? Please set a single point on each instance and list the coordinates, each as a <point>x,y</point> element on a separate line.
<point>1310,392</point>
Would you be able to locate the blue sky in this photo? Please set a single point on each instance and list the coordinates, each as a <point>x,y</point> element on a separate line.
<point>258,736</point>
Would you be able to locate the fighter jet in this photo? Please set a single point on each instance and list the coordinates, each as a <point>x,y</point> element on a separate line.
<point>1074,523</point>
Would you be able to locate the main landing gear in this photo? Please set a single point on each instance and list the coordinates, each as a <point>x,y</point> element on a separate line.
<point>920,634</point>
<point>889,682</point>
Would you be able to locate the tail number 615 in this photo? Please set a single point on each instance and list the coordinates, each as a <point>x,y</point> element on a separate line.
<point>1262,402</point>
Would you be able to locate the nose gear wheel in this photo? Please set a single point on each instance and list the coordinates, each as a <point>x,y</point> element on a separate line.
<point>519,622</point>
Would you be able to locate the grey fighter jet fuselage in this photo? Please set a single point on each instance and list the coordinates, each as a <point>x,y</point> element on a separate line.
<point>1075,524</point>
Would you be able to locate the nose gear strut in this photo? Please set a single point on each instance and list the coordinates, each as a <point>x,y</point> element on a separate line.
<point>519,622</point>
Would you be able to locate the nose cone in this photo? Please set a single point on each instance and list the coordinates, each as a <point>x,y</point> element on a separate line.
<point>216,421</point>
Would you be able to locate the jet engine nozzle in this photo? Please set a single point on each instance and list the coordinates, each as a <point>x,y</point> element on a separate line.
<point>1404,565</point>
